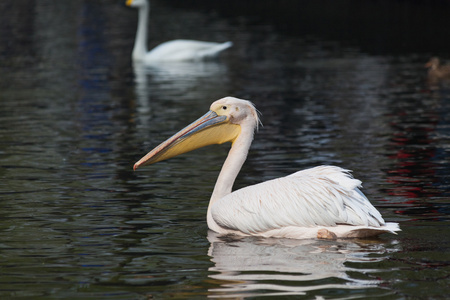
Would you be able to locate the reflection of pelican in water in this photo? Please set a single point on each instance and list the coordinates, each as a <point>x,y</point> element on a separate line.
<point>250,266</point>
<point>176,50</point>
<point>323,201</point>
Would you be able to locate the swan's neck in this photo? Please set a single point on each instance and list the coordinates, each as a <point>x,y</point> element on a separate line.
<point>140,43</point>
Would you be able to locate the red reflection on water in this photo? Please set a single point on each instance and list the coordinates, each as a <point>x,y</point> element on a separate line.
<point>412,174</point>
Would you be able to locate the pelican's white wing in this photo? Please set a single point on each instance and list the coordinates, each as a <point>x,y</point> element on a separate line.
<point>322,196</point>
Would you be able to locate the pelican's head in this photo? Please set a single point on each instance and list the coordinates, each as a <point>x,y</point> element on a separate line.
<point>136,3</point>
<point>222,123</point>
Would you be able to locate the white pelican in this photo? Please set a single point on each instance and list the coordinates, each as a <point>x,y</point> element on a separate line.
<point>322,202</point>
<point>176,50</point>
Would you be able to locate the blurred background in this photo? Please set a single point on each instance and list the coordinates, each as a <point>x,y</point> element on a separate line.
<point>336,82</point>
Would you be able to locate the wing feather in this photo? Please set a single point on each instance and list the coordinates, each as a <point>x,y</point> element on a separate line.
<point>321,196</point>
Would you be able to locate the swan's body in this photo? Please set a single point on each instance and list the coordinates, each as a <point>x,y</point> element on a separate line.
<point>176,50</point>
<point>319,202</point>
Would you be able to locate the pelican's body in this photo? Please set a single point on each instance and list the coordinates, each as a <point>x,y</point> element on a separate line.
<point>322,202</point>
<point>176,50</point>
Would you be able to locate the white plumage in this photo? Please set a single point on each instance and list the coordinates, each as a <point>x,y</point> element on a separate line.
<point>321,202</point>
<point>176,50</point>
<point>325,197</point>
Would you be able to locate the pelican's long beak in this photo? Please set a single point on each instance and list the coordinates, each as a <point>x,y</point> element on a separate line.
<point>207,130</point>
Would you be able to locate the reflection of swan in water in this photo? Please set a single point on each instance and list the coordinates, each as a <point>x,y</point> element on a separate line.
<point>177,81</point>
<point>179,71</point>
<point>248,267</point>
<point>176,50</point>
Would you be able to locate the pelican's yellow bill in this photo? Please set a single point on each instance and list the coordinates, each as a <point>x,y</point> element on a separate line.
<point>207,130</point>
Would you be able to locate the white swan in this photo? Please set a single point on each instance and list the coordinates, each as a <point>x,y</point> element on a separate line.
<point>176,50</point>
<point>322,202</point>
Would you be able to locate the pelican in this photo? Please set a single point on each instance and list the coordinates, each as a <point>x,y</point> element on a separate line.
<point>322,202</point>
<point>176,50</point>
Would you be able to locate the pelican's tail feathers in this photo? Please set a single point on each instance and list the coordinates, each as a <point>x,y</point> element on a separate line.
<point>392,227</point>
<point>373,231</point>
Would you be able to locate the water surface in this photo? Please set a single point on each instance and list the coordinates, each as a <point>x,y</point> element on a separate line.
<point>75,114</point>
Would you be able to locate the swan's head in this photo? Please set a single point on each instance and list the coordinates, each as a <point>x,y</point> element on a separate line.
<point>136,3</point>
<point>223,123</point>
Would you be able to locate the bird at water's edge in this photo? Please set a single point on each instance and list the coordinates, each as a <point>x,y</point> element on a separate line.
<point>323,202</point>
<point>176,50</point>
<point>436,70</point>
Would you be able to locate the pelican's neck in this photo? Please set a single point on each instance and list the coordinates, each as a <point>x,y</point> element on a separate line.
<point>230,169</point>
<point>140,43</point>
<point>233,164</point>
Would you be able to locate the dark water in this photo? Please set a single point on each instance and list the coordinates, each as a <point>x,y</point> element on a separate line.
<point>334,87</point>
